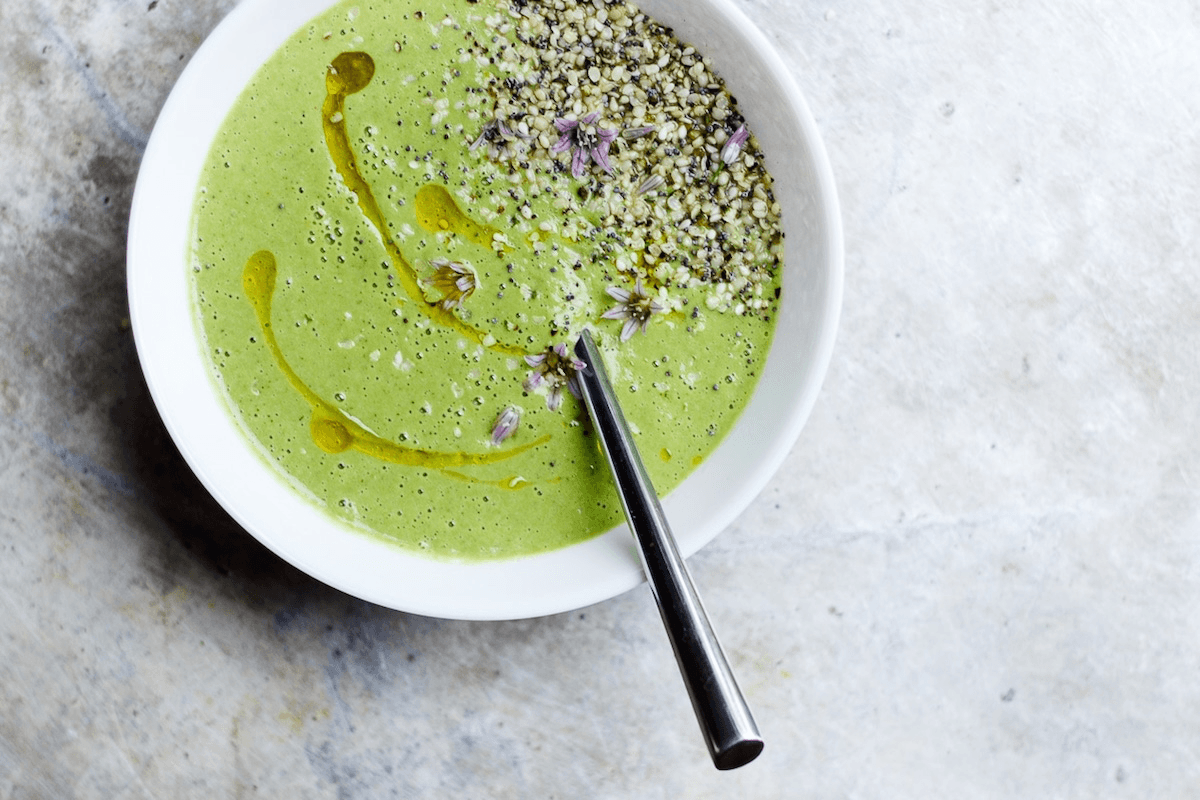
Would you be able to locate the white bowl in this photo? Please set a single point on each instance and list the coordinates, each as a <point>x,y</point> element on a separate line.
<point>195,413</point>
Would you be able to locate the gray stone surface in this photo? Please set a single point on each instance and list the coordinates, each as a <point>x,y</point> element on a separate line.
<point>977,575</point>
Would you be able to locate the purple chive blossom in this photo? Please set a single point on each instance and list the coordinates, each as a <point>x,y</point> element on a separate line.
<point>733,145</point>
<point>650,184</point>
<point>455,281</point>
<point>506,424</point>
<point>556,367</point>
<point>637,133</point>
<point>503,143</point>
<point>635,307</point>
<point>586,140</point>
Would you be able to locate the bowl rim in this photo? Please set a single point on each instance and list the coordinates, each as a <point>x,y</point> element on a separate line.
<point>611,557</point>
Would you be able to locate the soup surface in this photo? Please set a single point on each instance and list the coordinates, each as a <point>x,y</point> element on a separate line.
<point>413,210</point>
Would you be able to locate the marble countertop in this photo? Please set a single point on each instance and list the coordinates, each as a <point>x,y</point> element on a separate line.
<point>976,575</point>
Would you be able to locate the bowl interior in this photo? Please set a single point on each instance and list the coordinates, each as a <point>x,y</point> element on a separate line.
<point>265,504</point>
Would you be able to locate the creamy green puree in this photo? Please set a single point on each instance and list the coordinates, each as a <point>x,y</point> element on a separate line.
<point>413,210</point>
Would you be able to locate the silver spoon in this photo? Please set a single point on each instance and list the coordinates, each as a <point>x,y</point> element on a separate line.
<point>729,730</point>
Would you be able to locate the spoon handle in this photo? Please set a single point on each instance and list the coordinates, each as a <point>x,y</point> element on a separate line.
<point>729,730</point>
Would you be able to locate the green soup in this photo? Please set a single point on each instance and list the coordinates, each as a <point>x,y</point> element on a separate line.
<point>413,210</point>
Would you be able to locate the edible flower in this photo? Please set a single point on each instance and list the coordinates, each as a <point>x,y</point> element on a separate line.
<point>733,145</point>
<point>635,307</point>
<point>455,281</point>
<point>503,143</point>
<point>506,424</point>
<point>637,133</point>
<point>586,140</point>
<point>556,367</point>
<point>650,184</point>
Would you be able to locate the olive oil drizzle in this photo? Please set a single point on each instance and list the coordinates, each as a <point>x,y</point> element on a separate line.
<point>437,212</point>
<point>331,429</point>
<point>350,73</point>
